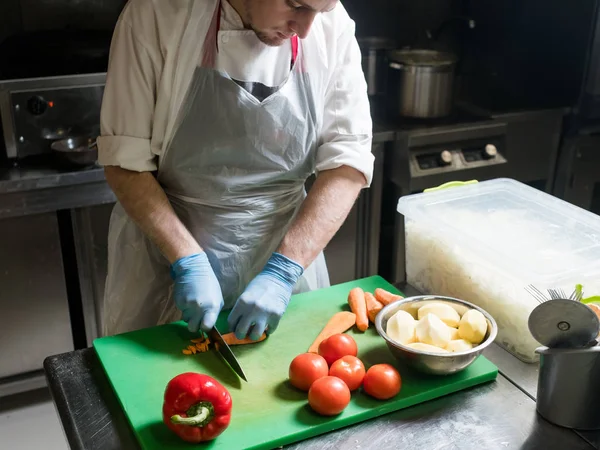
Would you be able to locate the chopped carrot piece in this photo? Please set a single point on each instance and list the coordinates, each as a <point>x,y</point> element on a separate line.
<point>358,305</point>
<point>230,339</point>
<point>186,352</point>
<point>199,340</point>
<point>385,298</point>
<point>338,323</point>
<point>192,348</point>
<point>373,306</point>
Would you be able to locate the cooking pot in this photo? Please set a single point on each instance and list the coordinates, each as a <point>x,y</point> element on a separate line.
<point>374,62</point>
<point>79,151</point>
<point>421,83</point>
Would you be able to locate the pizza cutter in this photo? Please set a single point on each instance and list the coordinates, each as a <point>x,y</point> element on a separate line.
<point>563,323</point>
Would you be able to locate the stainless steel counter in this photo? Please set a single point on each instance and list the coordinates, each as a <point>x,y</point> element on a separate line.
<point>496,415</point>
<point>37,190</point>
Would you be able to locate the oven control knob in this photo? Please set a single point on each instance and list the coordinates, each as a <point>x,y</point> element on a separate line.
<point>490,151</point>
<point>445,158</point>
<point>37,105</point>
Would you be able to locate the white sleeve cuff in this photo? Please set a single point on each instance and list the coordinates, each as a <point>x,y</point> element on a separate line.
<point>353,151</point>
<point>127,152</point>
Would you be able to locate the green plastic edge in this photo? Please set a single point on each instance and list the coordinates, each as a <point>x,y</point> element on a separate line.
<point>450,184</point>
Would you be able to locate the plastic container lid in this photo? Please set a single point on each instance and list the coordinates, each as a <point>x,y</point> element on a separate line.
<point>521,229</point>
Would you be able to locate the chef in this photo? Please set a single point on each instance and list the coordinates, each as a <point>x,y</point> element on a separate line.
<point>214,116</point>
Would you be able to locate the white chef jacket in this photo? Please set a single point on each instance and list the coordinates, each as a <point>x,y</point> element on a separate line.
<point>155,50</point>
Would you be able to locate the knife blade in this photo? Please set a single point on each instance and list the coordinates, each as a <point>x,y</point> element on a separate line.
<point>226,352</point>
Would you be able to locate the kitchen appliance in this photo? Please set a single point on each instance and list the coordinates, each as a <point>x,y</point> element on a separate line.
<point>569,363</point>
<point>226,352</point>
<point>427,153</point>
<point>485,242</point>
<point>156,352</point>
<point>421,83</point>
<point>375,62</point>
<point>562,323</point>
<point>37,112</point>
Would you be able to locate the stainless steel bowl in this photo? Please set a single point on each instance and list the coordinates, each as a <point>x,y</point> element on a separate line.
<point>433,363</point>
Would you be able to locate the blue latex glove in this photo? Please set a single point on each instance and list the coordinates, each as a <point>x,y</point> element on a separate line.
<point>264,301</point>
<point>196,291</point>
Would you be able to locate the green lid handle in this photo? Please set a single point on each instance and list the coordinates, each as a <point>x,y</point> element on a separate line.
<point>450,184</point>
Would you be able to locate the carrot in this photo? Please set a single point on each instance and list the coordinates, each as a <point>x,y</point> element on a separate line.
<point>373,306</point>
<point>230,339</point>
<point>358,305</point>
<point>385,298</point>
<point>338,323</point>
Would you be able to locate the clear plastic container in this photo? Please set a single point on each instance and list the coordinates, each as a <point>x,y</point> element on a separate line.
<point>486,242</point>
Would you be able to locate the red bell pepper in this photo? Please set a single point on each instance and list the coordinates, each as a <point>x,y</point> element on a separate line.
<point>196,407</point>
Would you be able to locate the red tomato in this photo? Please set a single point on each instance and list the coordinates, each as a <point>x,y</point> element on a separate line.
<point>382,381</point>
<point>305,369</point>
<point>336,346</point>
<point>328,396</point>
<point>350,370</point>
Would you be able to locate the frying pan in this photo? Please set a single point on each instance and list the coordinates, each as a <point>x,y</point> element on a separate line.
<point>79,151</point>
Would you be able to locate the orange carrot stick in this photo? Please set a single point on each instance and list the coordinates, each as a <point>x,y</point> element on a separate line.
<point>385,298</point>
<point>373,306</point>
<point>338,323</point>
<point>358,305</point>
<point>230,339</point>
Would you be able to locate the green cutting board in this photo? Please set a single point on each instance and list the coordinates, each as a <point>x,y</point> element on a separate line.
<point>267,411</point>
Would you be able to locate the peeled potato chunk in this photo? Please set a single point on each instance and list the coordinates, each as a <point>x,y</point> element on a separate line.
<point>444,312</point>
<point>427,348</point>
<point>472,326</point>
<point>454,334</point>
<point>401,327</point>
<point>459,345</point>
<point>431,330</point>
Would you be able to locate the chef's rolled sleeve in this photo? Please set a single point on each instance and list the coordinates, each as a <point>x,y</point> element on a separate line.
<point>129,99</point>
<point>346,136</point>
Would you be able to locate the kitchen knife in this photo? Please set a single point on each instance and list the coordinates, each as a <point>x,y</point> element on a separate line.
<point>226,352</point>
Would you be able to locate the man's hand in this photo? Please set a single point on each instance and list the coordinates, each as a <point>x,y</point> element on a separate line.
<point>262,304</point>
<point>196,291</point>
<point>323,212</point>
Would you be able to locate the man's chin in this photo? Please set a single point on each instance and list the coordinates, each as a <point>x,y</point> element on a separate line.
<point>272,40</point>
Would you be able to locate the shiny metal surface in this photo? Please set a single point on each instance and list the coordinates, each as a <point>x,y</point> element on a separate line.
<point>569,378</point>
<point>421,83</point>
<point>374,62</point>
<point>492,416</point>
<point>25,191</point>
<point>563,323</point>
<point>433,363</point>
<point>90,229</point>
<point>226,352</point>
<point>13,99</point>
<point>34,308</point>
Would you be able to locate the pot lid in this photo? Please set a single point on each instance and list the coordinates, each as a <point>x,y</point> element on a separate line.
<point>418,57</point>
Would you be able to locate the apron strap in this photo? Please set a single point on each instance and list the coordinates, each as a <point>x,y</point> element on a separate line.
<point>294,40</point>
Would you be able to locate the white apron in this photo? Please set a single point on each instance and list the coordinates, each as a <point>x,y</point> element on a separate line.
<point>234,173</point>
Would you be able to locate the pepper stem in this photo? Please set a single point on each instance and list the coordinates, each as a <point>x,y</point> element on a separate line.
<point>197,415</point>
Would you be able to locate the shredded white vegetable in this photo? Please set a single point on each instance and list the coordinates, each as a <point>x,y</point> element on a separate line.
<point>438,263</point>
